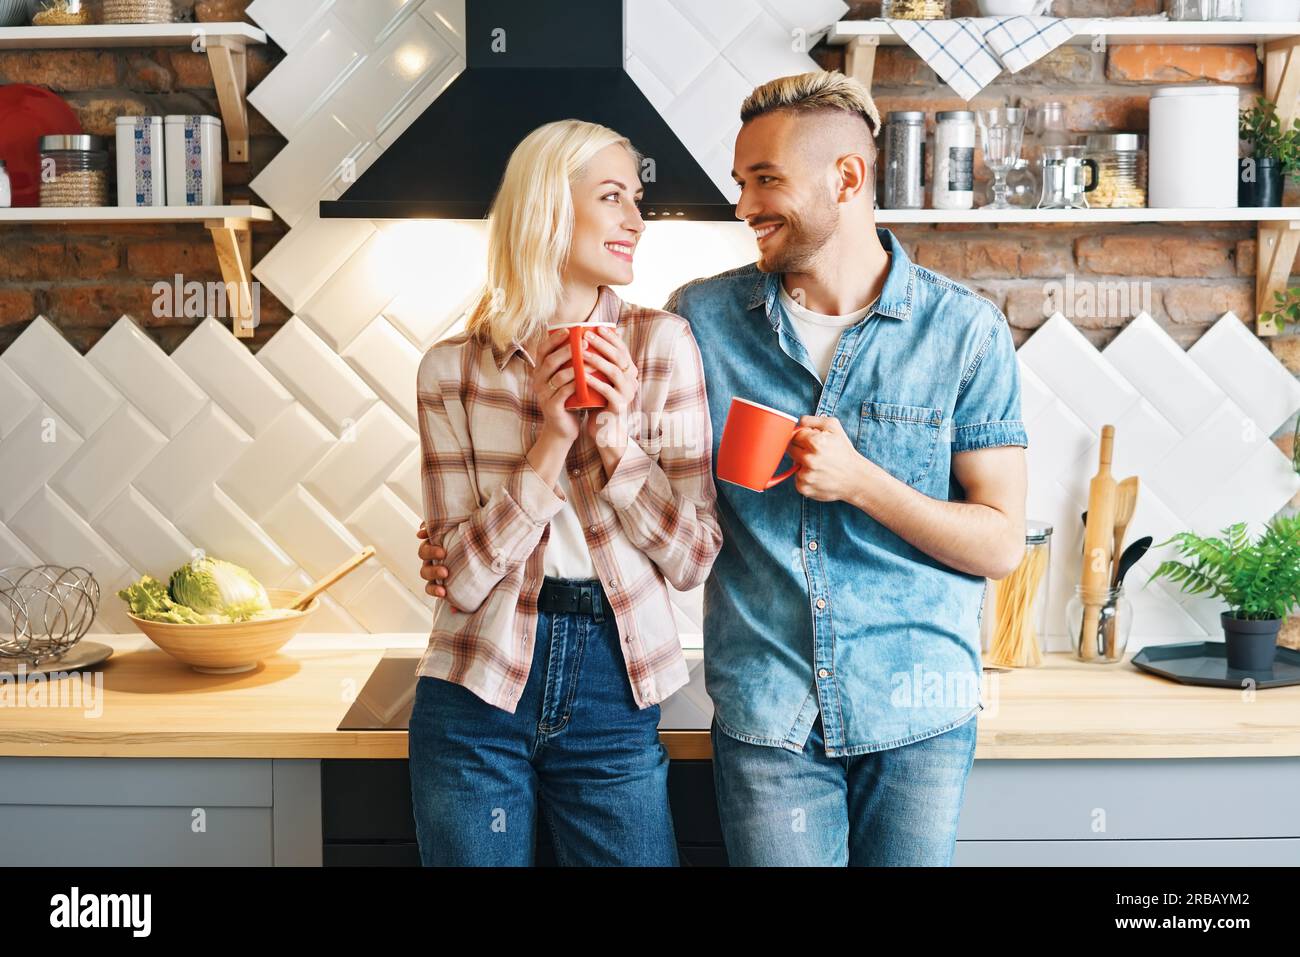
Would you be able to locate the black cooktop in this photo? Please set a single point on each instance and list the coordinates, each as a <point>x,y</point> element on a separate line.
<point>385,701</point>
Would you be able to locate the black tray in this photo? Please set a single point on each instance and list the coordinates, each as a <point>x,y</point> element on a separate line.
<point>1206,663</point>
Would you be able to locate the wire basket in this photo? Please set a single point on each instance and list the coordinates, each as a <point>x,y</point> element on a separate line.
<point>44,611</point>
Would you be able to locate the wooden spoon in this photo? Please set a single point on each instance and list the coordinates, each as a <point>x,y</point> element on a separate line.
<point>1126,494</point>
<point>320,584</point>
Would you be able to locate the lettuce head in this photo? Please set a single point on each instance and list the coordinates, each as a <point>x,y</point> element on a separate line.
<point>211,586</point>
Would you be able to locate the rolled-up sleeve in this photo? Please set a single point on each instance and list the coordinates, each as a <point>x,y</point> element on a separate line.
<point>483,542</point>
<point>668,507</point>
<point>987,412</point>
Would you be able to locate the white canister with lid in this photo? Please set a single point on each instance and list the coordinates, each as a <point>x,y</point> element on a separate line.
<point>1192,144</point>
<point>141,178</point>
<point>193,160</point>
<point>953,184</point>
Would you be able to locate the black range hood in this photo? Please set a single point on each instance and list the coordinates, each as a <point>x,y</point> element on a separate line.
<point>528,62</point>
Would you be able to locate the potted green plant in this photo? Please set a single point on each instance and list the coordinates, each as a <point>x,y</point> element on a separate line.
<point>1275,153</point>
<point>1259,580</point>
<point>1285,311</point>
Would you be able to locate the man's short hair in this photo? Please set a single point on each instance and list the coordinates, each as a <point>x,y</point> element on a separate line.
<point>813,92</point>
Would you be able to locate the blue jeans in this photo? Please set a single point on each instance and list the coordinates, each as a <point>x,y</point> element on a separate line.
<point>884,808</point>
<point>577,750</point>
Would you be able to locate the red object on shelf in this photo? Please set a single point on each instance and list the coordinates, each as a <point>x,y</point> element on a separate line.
<point>26,114</point>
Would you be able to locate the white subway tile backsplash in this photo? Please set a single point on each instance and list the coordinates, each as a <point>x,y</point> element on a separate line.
<point>395,74</point>
<point>192,460</point>
<point>1060,355</point>
<point>32,452</point>
<point>764,50</point>
<point>386,605</point>
<point>318,541</point>
<point>666,42</point>
<point>316,67</point>
<point>109,459</point>
<point>303,260</point>
<point>360,462</point>
<point>388,362</point>
<point>1146,355</point>
<point>57,534</point>
<point>144,374</point>
<point>272,464</point>
<point>721,21</point>
<point>316,376</point>
<point>293,183</point>
<point>224,368</point>
<point>16,399</point>
<point>143,535</point>
<point>384,521</point>
<point>60,375</point>
<point>1242,366</point>
<point>356,293</point>
<point>287,21</point>
<point>448,16</point>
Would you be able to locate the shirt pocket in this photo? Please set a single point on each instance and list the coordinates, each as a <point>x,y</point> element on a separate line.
<point>901,439</point>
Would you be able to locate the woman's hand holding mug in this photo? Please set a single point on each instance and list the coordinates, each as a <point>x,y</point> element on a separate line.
<point>552,385</point>
<point>607,353</point>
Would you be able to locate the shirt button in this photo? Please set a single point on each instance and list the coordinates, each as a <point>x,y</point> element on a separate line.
<point>613,583</point>
<point>812,546</point>
<point>823,673</point>
<point>575,472</point>
<point>821,602</point>
<point>591,528</point>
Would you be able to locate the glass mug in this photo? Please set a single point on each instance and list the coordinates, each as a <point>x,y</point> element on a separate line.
<point>1064,184</point>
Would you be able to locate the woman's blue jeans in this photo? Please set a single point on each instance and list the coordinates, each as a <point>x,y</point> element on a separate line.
<point>577,752</point>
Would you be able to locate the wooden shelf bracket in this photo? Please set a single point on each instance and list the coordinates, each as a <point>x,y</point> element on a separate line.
<point>228,59</point>
<point>233,239</point>
<point>860,59</point>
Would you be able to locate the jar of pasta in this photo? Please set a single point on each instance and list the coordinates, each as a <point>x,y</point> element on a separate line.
<point>59,13</point>
<point>1014,617</point>
<point>916,9</point>
<point>1121,169</point>
<point>74,171</point>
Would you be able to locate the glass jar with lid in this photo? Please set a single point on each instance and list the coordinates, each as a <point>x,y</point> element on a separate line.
<point>904,160</point>
<point>1121,169</point>
<point>59,13</point>
<point>916,9</point>
<point>1013,622</point>
<point>953,183</point>
<point>74,171</point>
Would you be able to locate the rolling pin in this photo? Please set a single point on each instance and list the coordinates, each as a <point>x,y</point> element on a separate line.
<point>1098,538</point>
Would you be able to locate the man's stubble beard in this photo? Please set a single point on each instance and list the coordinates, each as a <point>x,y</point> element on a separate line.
<point>805,240</point>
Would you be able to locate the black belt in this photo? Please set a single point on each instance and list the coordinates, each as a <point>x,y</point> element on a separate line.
<point>572,596</point>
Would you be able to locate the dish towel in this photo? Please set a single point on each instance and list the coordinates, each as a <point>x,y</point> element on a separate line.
<point>968,53</point>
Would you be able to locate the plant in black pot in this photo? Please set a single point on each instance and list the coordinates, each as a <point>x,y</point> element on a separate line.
<point>1259,580</point>
<point>1274,153</point>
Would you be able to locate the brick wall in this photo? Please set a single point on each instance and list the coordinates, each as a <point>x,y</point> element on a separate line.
<point>1193,272</point>
<point>83,277</point>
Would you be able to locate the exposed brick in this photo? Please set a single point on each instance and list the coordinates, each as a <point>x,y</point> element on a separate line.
<point>164,259</point>
<point>1191,257</point>
<point>1287,350</point>
<point>1028,307</point>
<point>1065,64</point>
<point>899,66</point>
<point>1172,63</point>
<point>1246,252</point>
<point>17,305</point>
<point>992,257</point>
<point>944,257</point>
<point>1202,303</point>
<point>98,304</point>
<point>148,75</point>
<point>60,70</point>
<point>1045,259</point>
<point>1121,256</point>
<point>57,260</point>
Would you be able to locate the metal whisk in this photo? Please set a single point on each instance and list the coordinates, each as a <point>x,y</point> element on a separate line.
<point>49,609</point>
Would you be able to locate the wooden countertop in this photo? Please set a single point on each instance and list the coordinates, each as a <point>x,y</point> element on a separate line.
<point>290,707</point>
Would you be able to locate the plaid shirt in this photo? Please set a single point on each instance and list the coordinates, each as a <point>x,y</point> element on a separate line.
<point>653,519</point>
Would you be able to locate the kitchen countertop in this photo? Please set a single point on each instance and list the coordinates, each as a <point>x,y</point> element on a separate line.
<point>289,707</point>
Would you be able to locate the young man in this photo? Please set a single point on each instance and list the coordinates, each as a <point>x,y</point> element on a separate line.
<point>841,618</point>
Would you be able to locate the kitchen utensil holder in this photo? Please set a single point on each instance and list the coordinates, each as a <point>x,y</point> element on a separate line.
<point>1114,624</point>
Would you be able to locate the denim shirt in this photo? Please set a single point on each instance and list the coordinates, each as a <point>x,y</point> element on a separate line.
<point>815,606</point>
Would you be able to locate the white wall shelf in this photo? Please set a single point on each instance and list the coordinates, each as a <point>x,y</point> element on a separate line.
<point>226,45</point>
<point>1116,32</point>
<point>1288,216</point>
<point>1276,44</point>
<point>127,214</point>
<point>230,226</point>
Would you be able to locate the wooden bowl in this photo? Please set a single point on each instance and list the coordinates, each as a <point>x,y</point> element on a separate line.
<point>231,647</point>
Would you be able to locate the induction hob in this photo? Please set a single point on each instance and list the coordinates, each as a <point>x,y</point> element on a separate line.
<point>385,701</point>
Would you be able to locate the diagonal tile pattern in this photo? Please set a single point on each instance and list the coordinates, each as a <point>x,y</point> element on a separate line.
<point>290,460</point>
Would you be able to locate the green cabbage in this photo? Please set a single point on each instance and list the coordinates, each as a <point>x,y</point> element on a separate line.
<point>148,599</point>
<point>211,586</point>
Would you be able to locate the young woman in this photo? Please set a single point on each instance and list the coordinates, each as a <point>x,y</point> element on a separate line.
<point>556,532</point>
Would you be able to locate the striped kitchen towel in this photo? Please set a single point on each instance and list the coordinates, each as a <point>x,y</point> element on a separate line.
<point>968,53</point>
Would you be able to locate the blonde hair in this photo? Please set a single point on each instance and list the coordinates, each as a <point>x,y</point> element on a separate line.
<point>820,90</point>
<point>530,227</point>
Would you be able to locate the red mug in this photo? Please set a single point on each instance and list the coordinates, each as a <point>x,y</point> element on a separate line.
<point>753,442</point>
<point>584,397</point>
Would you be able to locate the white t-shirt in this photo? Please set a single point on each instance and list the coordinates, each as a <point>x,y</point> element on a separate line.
<point>820,333</point>
<point>567,554</point>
